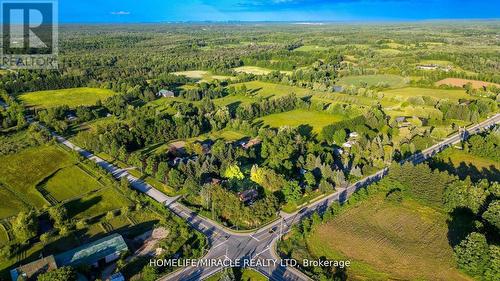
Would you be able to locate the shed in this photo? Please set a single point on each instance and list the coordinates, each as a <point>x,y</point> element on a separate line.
<point>105,250</point>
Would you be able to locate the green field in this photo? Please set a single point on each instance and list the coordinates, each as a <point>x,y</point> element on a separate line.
<point>388,241</point>
<point>246,275</point>
<point>457,157</point>
<point>294,118</point>
<point>96,203</point>
<point>70,182</point>
<point>394,81</point>
<point>258,89</point>
<point>256,70</point>
<point>70,97</point>
<point>266,90</point>
<point>311,48</point>
<point>389,52</point>
<point>406,93</point>
<point>11,204</point>
<point>21,172</point>
<point>202,75</point>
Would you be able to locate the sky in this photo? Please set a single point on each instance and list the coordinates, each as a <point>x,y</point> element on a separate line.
<point>143,11</point>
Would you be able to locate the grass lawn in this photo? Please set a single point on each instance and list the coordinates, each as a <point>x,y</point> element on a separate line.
<point>70,97</point>
<point>11,204</point>
<point>295,118</point>
<point>70,182</point>
<point>266,90</point>
<point>21,172</point>
<point>394,81</point>
<point>457,156</point>
<point>419,111</point>
<point>246,275</point>
<point>383,240</point>
<point>96,203</point>
<point>436,93</point>
<point>202,75</point>
<point>256,70</point>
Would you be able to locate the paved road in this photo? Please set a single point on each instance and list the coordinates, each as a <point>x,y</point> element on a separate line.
<point>259,245</point>
<point>120,173</point>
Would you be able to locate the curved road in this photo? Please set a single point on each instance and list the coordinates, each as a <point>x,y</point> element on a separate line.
<point>258,246</point>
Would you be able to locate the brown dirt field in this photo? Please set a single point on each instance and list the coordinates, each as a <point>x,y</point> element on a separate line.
<point>461,82</point>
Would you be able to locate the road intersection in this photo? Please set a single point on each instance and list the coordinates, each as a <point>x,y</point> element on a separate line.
<point>258,247</point>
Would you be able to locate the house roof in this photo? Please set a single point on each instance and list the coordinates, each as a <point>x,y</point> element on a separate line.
<point>35,268</point>
<point>164,92</point>
<point>93,252</point>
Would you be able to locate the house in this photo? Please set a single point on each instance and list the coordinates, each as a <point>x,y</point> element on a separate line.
<point>427,67</point>
<point>165,94</point>
<point>31,270</point>
<point>348,144</point>
<point>353,135</point>
<point>100,252</point>
<point>177,148</point>
<point>248,196</point>
<point>250,143</point>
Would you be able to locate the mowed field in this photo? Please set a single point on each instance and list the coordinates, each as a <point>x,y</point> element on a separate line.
<point>295,118</point>
<point>266,90</point>
<point>256,70</point>
<point>21,172</point>
<point>97,203</point>
<point>394,81</point>
<point>70,97</point>
<point>70,182</point>
<point>457,157</point>
<point>389,241</point>
<point>461,82</point>
<point>405,93</point>
<point>11,204</point>
<point>258,89</point>
<point>202,75</point>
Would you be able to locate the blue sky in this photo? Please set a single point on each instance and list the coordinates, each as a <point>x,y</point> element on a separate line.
<point>102,11</point>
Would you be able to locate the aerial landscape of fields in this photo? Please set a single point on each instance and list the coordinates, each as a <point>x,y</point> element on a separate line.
<point>199,148</point>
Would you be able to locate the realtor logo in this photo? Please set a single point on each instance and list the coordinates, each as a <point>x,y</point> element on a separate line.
<point>29,34</point>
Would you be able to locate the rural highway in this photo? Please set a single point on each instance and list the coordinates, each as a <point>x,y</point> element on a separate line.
<point>257,247</point>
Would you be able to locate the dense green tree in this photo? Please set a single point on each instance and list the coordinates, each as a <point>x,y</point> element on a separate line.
<point>65,273</point>
<point>25,226</point>
<point>472,254</point>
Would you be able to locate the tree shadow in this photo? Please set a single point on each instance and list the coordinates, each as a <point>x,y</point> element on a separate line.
<point>80,205</point>
<point>305,130</point>
<point>233,106</point>
<point>464,170</point>
<point>460,224</point>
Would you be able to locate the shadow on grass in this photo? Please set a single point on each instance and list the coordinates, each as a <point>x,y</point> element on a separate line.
<point>460,224</point>
<point>80,205</point>
<point>464,170</point>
